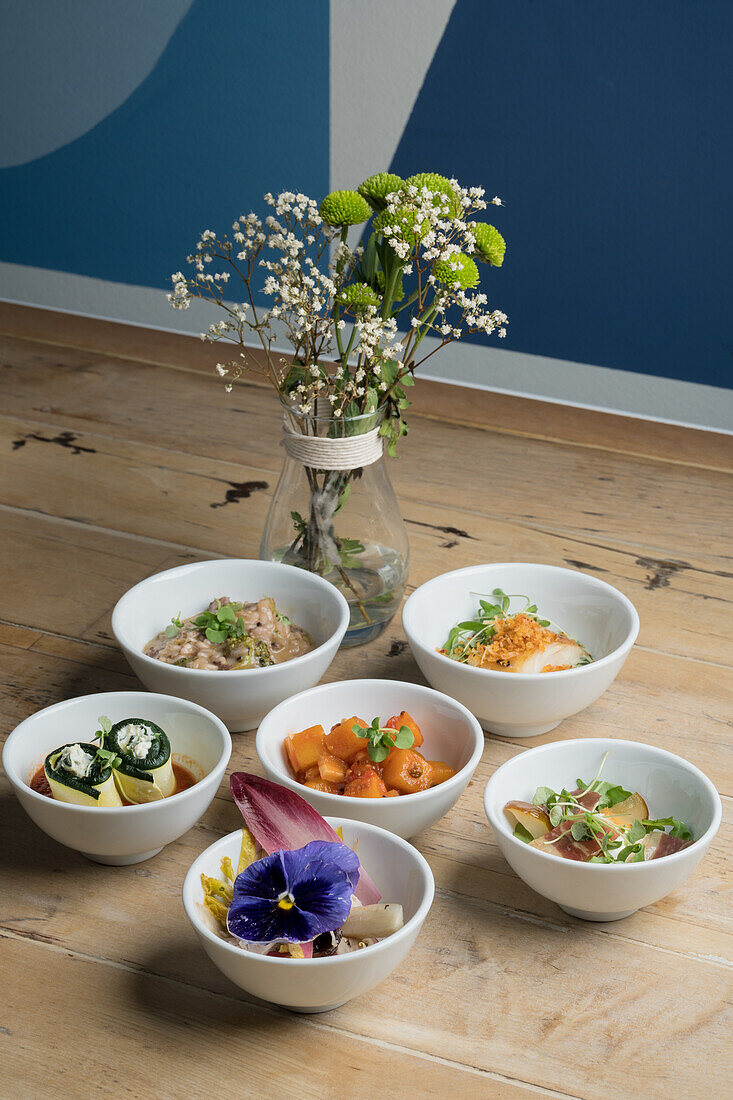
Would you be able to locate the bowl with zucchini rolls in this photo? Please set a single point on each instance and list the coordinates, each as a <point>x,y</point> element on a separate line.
<point>117,775</point>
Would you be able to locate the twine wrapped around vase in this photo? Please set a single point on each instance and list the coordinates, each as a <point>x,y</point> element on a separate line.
<point>321,453</point>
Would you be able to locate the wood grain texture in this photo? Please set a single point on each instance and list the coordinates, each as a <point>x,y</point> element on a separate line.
<point>117,449</point>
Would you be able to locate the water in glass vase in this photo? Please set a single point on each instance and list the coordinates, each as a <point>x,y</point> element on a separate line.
<point>335,513</point>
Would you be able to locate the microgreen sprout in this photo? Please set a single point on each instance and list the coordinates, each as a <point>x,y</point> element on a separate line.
<point>105,725</point>
<point>482,628</point>
<point>616,843</point>
<point>223,623</point>
<point>381,739</point>
<point>174,626</point>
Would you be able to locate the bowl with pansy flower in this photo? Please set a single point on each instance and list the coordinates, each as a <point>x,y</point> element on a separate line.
<point>304,911</point>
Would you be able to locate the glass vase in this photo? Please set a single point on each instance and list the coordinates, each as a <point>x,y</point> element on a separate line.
<point>335,513</point>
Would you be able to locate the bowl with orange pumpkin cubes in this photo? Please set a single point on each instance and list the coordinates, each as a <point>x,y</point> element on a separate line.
<point>392,754</point>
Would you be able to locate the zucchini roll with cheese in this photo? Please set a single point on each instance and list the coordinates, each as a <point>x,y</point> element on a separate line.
<point>83,775</point>
<point>145,771</point>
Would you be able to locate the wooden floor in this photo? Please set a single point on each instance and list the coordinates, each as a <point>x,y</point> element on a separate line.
<point>123,456</point>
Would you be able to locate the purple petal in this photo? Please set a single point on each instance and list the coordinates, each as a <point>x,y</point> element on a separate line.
<point>320,878</point>
<point>323,854</point>
<point>278,818</point>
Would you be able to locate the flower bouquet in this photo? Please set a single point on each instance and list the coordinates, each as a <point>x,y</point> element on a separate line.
<point>355,319</point>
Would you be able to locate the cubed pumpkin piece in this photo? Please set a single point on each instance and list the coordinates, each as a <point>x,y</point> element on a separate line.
<point>404,719</point>
<point>367,784</point>
<point>304,748</point>
<point>343,742</point>
<point>322,785</point>
<point>392,794</point>
<point>441,771</point>
<point>311,773</point>
<point>363,767</point>
<point>407,771</point>
<point>332,769</point>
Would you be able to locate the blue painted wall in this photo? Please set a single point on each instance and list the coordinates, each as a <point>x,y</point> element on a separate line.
<point>237,105</point>
<point>604,127</point>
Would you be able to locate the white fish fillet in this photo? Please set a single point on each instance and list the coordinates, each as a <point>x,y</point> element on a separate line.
<point>557,653</point>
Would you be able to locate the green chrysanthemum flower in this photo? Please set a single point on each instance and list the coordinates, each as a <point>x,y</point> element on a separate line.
<point>490,245</point>
<point>358,297</point>
<point>399,292</point>
<point>344,208</point>
<point>440,186</point>
<point>404,222</point>
<point>376,189</point>
<point>460,269</point>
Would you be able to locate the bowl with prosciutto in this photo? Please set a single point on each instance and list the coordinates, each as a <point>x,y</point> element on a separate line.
<point>304,911</point>
<point>522,645</point>
<point>234,635</point>
<point>599,826</point>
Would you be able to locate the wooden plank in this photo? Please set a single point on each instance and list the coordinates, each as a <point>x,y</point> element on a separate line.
<point>682,604</point>
<point>462,839</point>
<point>132,463</point>
<point>516,1018</point>
<point>236,1047</point>
<point>499,412</point>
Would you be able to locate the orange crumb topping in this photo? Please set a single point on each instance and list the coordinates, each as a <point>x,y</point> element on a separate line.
<point>514,637</point>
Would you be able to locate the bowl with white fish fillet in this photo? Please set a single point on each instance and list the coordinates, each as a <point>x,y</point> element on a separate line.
<point>522,645</point>
<point>600,826</point>
<point>234,635</point>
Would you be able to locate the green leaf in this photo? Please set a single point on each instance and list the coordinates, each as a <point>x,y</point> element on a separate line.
<point>377,751</point>
<point>171,631</point>
<point>522,834</point>
<point>611,795</point>
<point>676,827</point>
<point>580,831</point>
<point>104,723</point>
<point>226,614</point>
<point>543,795</point>
<point>636,832</point>
<point>404,738</point>
<point>557,813</point>
<point>629,850</point>
<point>215,636</point>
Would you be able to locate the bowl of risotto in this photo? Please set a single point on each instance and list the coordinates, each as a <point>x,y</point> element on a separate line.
<point>236,636</point>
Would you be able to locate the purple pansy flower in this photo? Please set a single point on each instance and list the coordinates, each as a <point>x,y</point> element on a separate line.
<point>294,895</point>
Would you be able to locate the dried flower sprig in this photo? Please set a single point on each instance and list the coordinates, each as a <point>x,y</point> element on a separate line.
<point>355,329</point>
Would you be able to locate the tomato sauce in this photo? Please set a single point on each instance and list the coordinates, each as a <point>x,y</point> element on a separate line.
<point>184,779</point>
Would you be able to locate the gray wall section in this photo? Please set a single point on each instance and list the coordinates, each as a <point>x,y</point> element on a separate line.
<point>77,78</point>
<point>496,369</point>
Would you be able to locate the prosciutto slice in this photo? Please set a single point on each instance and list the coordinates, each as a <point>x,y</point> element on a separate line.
<point>658,844</point>
<point>559,841</point>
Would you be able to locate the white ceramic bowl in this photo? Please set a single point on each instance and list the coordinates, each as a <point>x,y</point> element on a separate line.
<point>241,697</point>
<point>516,704</point>
<point>119,835</point>
<point>451,734</point>
<point>594,891</point>
<point>316,985</point>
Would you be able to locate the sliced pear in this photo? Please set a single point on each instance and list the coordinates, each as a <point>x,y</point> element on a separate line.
<point>627,812</point>
<point>533,818</point>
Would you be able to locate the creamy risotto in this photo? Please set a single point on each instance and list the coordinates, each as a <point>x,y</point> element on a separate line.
<point>230,635</point>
